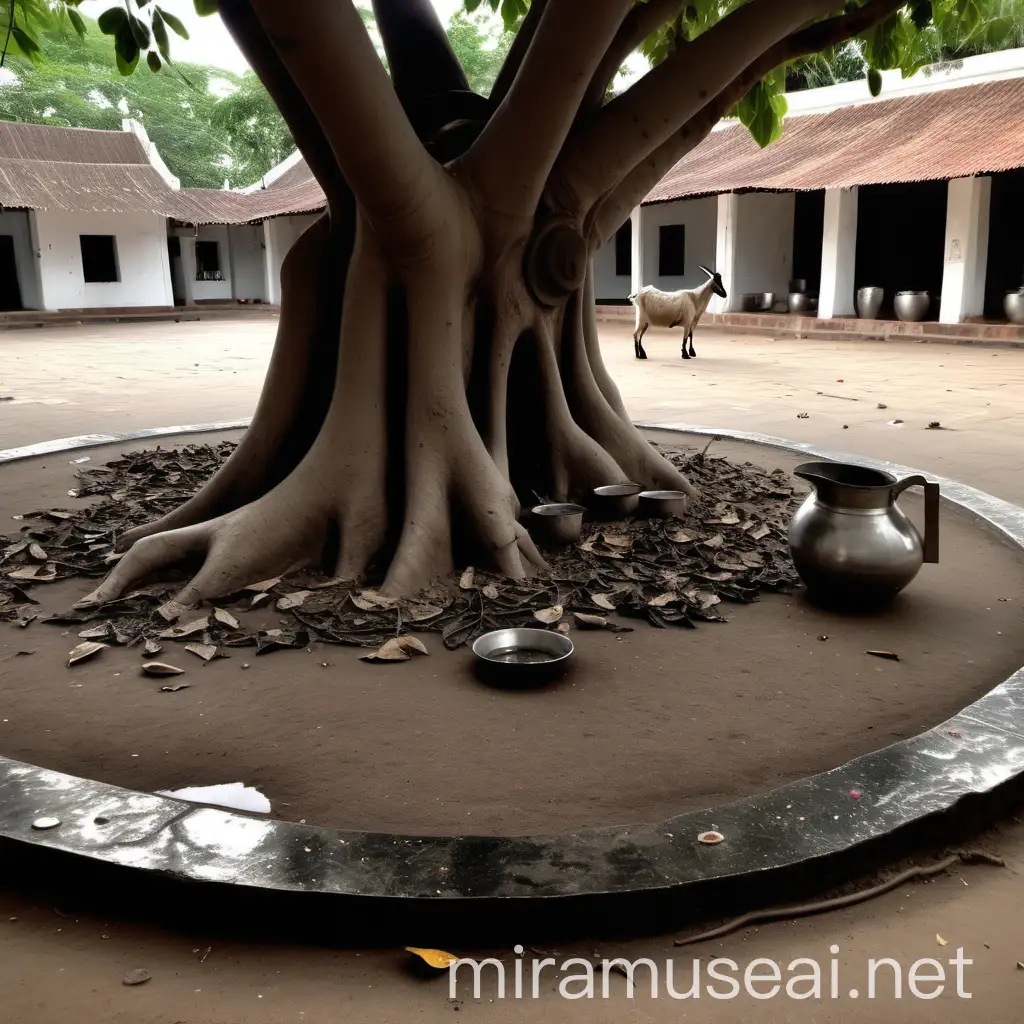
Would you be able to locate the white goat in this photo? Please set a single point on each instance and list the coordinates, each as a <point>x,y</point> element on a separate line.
<point>672,309</point>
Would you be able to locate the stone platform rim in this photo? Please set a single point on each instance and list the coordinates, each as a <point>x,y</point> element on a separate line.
<point>973,753</point>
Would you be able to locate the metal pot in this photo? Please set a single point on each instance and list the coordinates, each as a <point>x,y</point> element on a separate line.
<point>521,657</point>
<point>616,501</point>
<point>801,302</point>
<point>798,284</point>
<point>912,307</point>
<point>851,542</point>
<point>869,302</point>
<point>1014,306</point>
<point>557,524</point>
<point>765,301</point>
<point>663,504</point>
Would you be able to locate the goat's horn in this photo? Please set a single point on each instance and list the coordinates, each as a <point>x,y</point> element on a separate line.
<point>710,273</point>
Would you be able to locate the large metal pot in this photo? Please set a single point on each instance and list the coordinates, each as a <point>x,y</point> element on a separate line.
<point>801,302</point>
<point>869,302</point>
<point>912,307</point>
<point>1014,306</point>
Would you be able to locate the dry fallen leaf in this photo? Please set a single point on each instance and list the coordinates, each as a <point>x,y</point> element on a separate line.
<point>549,615</point>
<point>28,572</point>
<point>940,940</point>
<point>585,621</point>
<point>159,668</point>
<point>399,648</point>
<point>175,688</point>
<point>293,600</point>
<point>263,585</point>
<point>888,655</point>
<point>189,629</point>
<point>171,611</point>
<point>715,542</point>
<point>151,647</point>
<point>466,579</point>
<point>603,601</point>
<point>37,552</point>
<point>83,651</point>
<point>760,532</point>
<point>662,599</point>
<point>421,612</point>
<point>225,618</point>
<point>616,540</point>
<point>259,599</point>
<point>490,592</point>
<point>680,537</point>
<point>436,958</point>
<point>205,651</point>
<point>97,632</point>
<point>369,600</point>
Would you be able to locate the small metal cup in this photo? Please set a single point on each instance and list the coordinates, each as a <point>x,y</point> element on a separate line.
<point>558,524</point>
<point>616,501</point>
<point>663,504</point>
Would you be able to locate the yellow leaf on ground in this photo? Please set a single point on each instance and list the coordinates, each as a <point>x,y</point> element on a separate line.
<point>436,958</point>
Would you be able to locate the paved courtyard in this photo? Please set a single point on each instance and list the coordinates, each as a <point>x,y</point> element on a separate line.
<point>103,377</point>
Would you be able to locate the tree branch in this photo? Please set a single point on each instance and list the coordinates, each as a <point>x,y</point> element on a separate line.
<point>634,124</point>
<point>255,44</point>
<point>510,162</point>
<point>329,55</point>
<point>421,59</point>
<point>642,20</point>
<point>615,208</point>
<point>517,52</point>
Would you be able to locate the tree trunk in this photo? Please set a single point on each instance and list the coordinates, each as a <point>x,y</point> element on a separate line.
<point>437,365</point>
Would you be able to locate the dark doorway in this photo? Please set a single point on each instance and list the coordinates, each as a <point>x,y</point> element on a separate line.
<point>901,240</point>
<point>624,250</point>
<point>672,250</point>
<point>808,228</point>
<point>10,291</point>
<point>1005,241</point>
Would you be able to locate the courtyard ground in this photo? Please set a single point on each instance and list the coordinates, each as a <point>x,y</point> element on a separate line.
<point>108,377</point>
<point>60,963</point>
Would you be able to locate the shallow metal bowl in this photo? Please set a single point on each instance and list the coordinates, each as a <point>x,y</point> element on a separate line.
<point>522,657</point>
<point>663,504</point>
<point>557,524</point>
<point>766,301</point>
<point>616,500</point>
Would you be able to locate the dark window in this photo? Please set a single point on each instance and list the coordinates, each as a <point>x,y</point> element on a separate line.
<point>99,258</point>
<point>672,250</point>
<point>208,262</point>
<point>624,250</point>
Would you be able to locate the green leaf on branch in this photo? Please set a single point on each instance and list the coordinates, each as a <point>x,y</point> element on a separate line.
<point>163,43</point>
<point>112,20</point>
<point>173,23</point>
<point>204,8</point>
<point>140,30</point>
<point>28,46</point>
<point>153,60</point>
<point>874,81</point>
<point>77,22</point>
<point>126,50</point>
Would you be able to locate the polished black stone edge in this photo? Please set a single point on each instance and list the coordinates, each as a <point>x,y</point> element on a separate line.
<point>973,753</point>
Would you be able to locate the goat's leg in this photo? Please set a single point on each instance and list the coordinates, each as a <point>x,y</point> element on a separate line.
<point>638,340</point>
<point>693,351</point>
<point>686,338</point>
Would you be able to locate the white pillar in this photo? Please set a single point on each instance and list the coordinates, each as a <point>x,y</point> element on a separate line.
<point>963,278</point>
<point>637,250</point>
<point>838,253</point>
<point>271,263</point>
<point>187,248</point>
<point>725,252</point>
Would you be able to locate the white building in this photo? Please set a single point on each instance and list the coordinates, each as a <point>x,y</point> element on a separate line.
<point>919,189</point>
<point>94,220</point>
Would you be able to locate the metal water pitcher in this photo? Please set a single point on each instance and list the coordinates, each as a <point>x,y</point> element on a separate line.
<point>850,540</point>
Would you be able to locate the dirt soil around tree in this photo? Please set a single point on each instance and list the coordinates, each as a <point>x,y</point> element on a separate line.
<point>647,723</point>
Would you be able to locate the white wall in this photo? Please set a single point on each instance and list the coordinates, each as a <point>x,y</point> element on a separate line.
<point>145,277</point>
<point>279,233</point>
<point>215,289</point>
<point>700,218</point>
<point>763,260</point>
<point>247,253</point>
<point>17,224</point>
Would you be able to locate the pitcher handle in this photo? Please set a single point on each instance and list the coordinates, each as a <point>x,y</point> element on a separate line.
<point>931,513</point>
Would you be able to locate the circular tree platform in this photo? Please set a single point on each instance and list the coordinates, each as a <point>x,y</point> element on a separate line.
<point>647,724</point>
